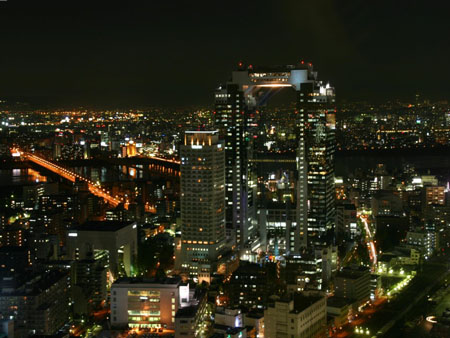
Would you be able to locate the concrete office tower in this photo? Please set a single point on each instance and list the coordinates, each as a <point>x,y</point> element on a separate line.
<point>236,105</point>
<point>202,203</point>
<point>117,239</point>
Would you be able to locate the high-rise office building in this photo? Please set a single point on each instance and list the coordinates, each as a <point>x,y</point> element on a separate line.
<point>202,203</point>
<point>320,149</point>
<point>236,105</point>
<point>235,119</point>
<point>94,238</point>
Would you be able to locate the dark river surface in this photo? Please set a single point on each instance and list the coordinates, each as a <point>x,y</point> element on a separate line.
<point>345,163</point>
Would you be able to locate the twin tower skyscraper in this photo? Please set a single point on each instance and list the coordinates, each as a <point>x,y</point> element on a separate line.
<point>218,178</point>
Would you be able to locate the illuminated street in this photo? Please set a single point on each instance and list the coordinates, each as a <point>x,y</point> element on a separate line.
<point>369,240</point>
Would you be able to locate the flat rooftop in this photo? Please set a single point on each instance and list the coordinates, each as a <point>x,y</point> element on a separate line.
<point>228,329</point>
<point>102,226</point>
<point>255,315</point>
<point>302,302</point>
<point>201,132</point>
<point>141,280</point>
<point>34,284</point>
<point>187,312</point>
<point>337,302</point>
<point>353,273</point>
<point>277,68</point>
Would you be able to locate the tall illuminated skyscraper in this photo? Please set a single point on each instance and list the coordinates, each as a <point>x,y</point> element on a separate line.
<point>202,203</point>
<point>236,105</point>
<point>320,148</point>
<point>235,120</point>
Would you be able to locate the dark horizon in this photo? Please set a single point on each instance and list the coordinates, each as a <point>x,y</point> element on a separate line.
<point>80,54</point>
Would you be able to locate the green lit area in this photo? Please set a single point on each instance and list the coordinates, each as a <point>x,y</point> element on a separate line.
<point>143,319</point>
<point>144,293</point>
<point>144,326</point>
<point>143,313</point>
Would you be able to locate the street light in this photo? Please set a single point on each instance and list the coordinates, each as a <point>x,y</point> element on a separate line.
<point>362,331</point>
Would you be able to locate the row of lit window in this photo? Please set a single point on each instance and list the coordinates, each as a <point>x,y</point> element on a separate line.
<point>198,242</point>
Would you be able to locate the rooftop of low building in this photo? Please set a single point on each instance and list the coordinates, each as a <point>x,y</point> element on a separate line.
<point>102,226</point>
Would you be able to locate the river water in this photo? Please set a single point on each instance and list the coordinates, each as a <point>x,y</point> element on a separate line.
<point>438,164</point>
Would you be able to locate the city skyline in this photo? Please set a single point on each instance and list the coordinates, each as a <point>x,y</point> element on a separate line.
<point>254,169</point>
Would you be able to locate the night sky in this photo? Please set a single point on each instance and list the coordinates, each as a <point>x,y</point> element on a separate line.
<point>175,52</point>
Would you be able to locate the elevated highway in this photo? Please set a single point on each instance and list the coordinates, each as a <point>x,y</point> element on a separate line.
<point>69,175</point>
